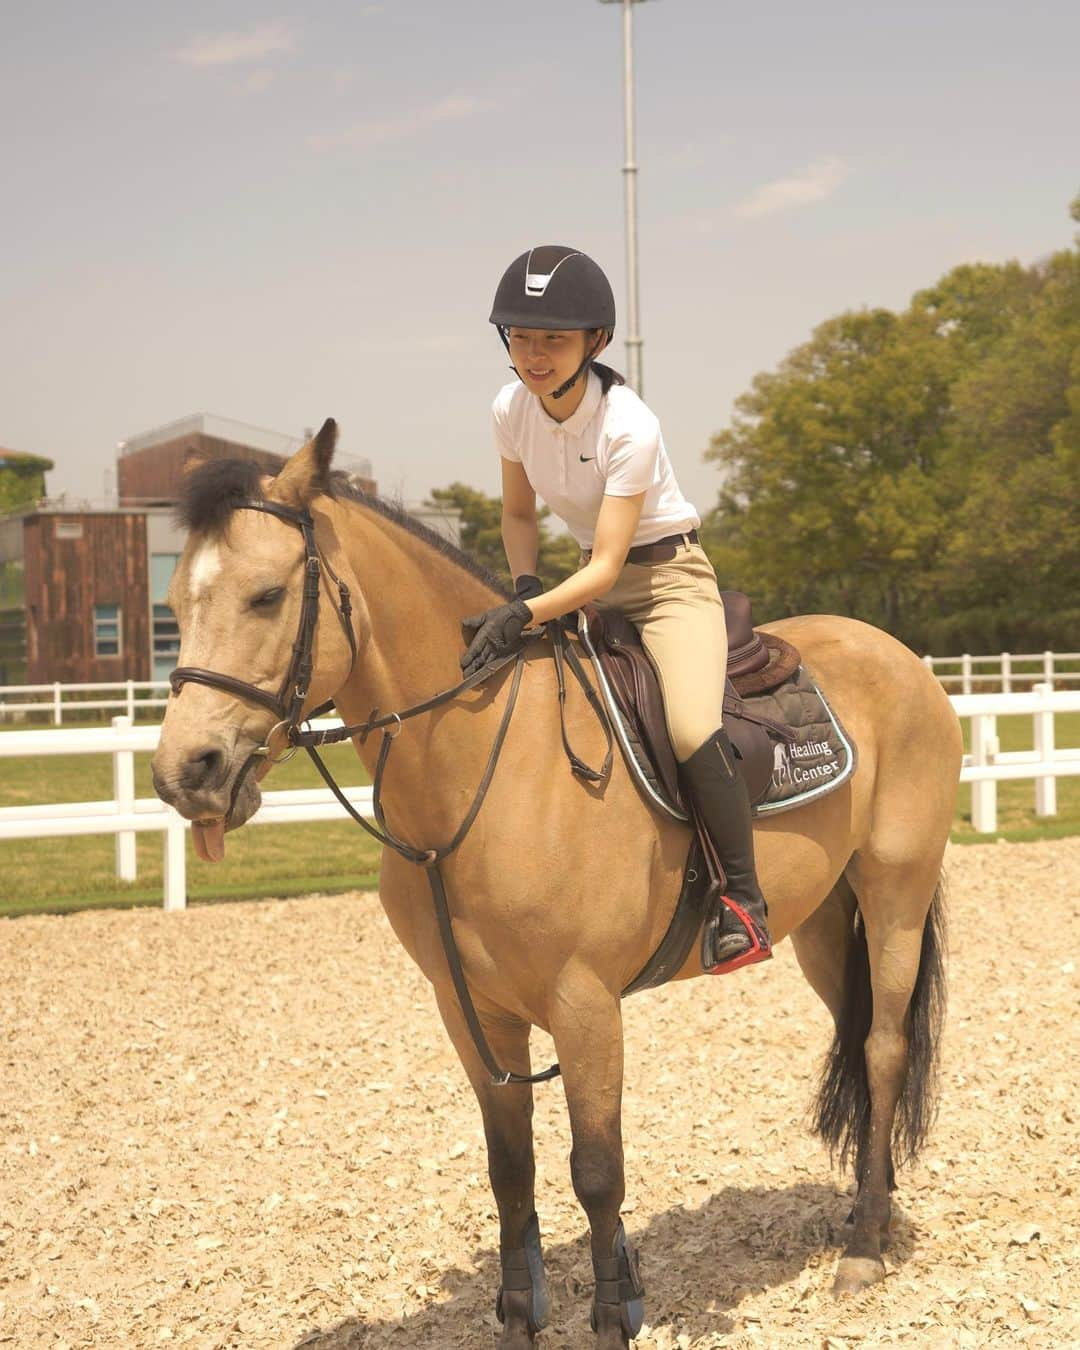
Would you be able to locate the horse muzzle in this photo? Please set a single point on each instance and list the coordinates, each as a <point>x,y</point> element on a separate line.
<point>213,787</point>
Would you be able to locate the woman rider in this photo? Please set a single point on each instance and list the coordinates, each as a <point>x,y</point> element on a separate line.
<point>571,430</point>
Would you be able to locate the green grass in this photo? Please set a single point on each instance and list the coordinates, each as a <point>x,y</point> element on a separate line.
<point>59,875</point>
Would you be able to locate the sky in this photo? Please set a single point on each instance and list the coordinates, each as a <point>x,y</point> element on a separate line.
<point>280,215</point>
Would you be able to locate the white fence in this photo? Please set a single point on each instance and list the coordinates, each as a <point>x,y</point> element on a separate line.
<point>16,700</point>
<point>131,696</point>
<point>125,815</point>
<point>1012,669</point>
<point>986,765</point>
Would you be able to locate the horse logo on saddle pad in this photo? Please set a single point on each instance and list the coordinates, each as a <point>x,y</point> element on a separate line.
<point>781,766</point>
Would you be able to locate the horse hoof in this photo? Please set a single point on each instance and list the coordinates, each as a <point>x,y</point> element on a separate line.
<point>608,1322</point>
<point>516,1338</point>
<point>856,1273</point>
<point>613,1340</point>
<point>515,1333</point>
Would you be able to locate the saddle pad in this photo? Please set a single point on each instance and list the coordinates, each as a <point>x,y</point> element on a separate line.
<point>820,757</point>
<point>779,776</point>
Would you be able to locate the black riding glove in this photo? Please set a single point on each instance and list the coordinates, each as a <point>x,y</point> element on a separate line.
<point>528,587</point>
<point>496,632</point>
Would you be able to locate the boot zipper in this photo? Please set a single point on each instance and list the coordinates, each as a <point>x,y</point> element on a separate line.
<point>724,759</point>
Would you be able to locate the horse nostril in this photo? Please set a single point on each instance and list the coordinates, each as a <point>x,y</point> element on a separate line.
<point>203,770</point>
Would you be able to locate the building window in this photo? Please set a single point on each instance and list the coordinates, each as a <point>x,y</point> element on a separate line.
<point>164,630</point>
<point>107,630</point>
<point>166,641</point>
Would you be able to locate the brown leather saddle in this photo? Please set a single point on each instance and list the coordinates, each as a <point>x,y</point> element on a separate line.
<point>757,662</point>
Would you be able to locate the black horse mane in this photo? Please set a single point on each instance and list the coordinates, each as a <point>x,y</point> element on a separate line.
<point>214,490</point>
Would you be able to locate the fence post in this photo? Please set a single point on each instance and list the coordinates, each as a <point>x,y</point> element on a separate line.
<point>1045,788</point>
<point>1048,668</point>
<point>175,862</point>
<point>965,673</point>
<point>131,700</point>
<point>58,716</point>
<point>1006,672</point>
<point>124,795</point>
<point>984,746</point>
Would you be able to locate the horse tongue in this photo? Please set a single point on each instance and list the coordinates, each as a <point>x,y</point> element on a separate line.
<point>209,839</point>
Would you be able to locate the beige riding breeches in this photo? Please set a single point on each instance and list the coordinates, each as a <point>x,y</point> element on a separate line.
<point>677,609</point>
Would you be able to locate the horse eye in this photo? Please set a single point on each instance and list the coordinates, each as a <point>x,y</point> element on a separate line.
<point>268,598</point>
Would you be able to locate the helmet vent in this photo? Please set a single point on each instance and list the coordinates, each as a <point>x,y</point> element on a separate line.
<point>536,283</point>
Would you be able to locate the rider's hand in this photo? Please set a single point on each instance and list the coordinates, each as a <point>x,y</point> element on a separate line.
<point>496,632</point>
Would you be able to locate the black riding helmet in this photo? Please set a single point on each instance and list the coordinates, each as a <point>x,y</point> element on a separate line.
<point>556,288</point>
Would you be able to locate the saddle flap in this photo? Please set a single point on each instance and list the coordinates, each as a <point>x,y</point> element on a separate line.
<point>756,661</point>
<point>633,682</point>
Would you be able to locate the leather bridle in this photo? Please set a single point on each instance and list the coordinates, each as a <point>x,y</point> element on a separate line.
<point>288,703</point>
<point>289,699</point>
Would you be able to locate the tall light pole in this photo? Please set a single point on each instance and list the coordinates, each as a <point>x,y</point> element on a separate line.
<point>633,336</point>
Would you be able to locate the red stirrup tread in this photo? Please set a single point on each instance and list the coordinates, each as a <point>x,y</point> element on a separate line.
<point>758,951</point>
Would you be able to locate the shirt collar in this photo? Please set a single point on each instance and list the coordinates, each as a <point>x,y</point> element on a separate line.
<point>586,409</point>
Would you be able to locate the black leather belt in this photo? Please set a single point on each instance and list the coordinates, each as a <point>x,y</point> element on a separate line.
<point>661,550</point>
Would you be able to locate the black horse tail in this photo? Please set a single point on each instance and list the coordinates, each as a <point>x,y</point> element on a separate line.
<point>842,1112</point>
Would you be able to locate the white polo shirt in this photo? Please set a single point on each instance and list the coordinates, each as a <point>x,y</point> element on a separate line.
<point>611,445</point>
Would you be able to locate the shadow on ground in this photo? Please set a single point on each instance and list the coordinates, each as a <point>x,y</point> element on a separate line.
<point>698,1265</point>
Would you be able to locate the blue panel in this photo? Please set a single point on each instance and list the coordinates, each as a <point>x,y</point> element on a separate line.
<point>162,566</point>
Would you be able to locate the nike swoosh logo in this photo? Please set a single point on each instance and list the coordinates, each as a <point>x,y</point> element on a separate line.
<point>585,459</point>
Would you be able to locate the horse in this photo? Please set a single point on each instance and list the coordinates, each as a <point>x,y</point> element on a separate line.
<point>563,886</point>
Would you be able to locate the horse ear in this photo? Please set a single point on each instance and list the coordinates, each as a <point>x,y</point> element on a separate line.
<point>307,473</point>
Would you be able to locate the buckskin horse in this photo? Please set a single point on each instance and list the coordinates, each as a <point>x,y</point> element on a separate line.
<point>555,889</point>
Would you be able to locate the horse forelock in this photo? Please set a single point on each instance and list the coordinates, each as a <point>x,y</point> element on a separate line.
<point>214,490</point>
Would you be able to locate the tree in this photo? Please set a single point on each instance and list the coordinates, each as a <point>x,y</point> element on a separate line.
<point>829,501</point>
<point>22,479</point>
<point>1011,561</point>
<point>918,470</point>
<point>481,535</point>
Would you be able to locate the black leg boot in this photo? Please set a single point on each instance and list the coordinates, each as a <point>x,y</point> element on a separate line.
<point>738,935</point>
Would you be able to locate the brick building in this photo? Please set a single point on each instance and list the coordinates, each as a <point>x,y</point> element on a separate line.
<point>150,467</point>
<point>82,587</point>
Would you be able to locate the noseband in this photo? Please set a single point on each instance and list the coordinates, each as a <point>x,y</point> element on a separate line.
<point>288,702</point>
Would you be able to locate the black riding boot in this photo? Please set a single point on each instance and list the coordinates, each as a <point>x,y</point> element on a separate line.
<point>738,935</point>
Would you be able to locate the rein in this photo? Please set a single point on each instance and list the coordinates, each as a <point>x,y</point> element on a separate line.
<point>288,704</point>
